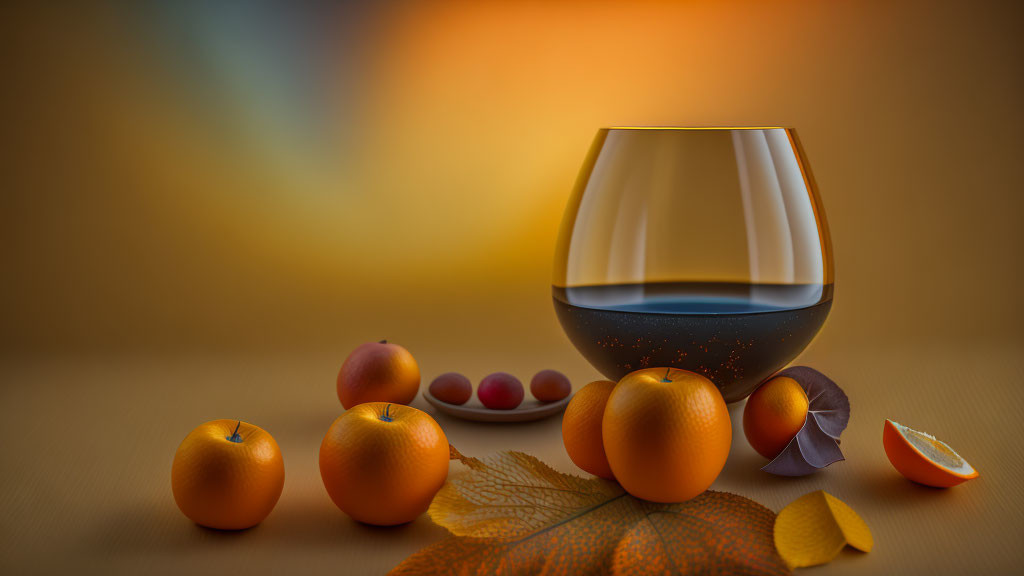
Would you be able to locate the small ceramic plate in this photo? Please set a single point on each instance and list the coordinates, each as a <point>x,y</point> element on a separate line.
<point>530,409</point>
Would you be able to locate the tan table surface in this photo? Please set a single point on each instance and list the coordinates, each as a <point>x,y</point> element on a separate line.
<point>88,444</point>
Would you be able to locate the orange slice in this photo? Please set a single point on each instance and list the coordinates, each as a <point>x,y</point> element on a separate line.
<point>923,459</point>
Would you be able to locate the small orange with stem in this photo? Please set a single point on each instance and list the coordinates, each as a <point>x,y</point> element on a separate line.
<point>666,433</point>
<point>378,372</point>
<point>227,474</point>
<point>382,463</point>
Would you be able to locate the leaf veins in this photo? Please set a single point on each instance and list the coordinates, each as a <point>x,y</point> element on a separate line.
<point>513,514</point>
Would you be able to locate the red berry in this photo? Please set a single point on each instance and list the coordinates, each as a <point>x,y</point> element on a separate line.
<point>550,386</point>
<point>500,391</point>
<point>451,387</point>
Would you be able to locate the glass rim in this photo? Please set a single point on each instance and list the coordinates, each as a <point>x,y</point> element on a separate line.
<point>669,128</point>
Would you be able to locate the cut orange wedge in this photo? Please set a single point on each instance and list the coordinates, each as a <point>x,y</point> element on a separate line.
<point>923,459</point>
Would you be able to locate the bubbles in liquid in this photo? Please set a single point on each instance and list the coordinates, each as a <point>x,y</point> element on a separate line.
<point>735,334</point>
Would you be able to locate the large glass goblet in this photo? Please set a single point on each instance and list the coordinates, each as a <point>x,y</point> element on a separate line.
<point>704,249</point>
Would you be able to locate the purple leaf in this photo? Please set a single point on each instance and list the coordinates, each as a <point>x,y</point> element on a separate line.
<point>816,445</point>
<point>790,462</point>
<point>818,449</point>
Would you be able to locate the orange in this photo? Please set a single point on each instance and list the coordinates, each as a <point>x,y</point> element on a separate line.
<point>581,428</point>
<point>227,475</point>
<point>666,433</point>
<point>383,463</point>
<point>774,413</point>
<point>378,372</point>
<point>923,459</point>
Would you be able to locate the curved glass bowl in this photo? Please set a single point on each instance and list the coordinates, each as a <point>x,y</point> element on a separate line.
<point>697,248</point>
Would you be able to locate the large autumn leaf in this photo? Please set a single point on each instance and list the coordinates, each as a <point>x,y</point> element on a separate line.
<point>513,514</point>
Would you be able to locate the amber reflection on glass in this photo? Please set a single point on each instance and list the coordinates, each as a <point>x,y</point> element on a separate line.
<point>704,249</point>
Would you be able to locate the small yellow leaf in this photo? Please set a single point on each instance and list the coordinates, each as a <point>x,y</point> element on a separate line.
<point>812,530</point>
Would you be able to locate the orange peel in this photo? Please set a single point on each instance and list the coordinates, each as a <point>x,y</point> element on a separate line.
<point>923,458</point>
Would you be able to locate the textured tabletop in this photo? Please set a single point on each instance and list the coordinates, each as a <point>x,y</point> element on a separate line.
<point>89,442</point>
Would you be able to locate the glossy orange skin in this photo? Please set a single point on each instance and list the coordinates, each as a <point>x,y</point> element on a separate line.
<point>378,372</point>
<point>666,434</point>
<point>227,485</point>
<point>581,428</point>
<point>381,471</point>
<point>774,413</point>
<point>908,461</point>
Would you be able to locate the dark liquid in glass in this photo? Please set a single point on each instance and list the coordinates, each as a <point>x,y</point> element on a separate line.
<point>736,334</point>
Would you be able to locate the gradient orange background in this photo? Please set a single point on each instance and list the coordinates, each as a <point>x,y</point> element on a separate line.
<point>207,205</point>
<point>196,179</point>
